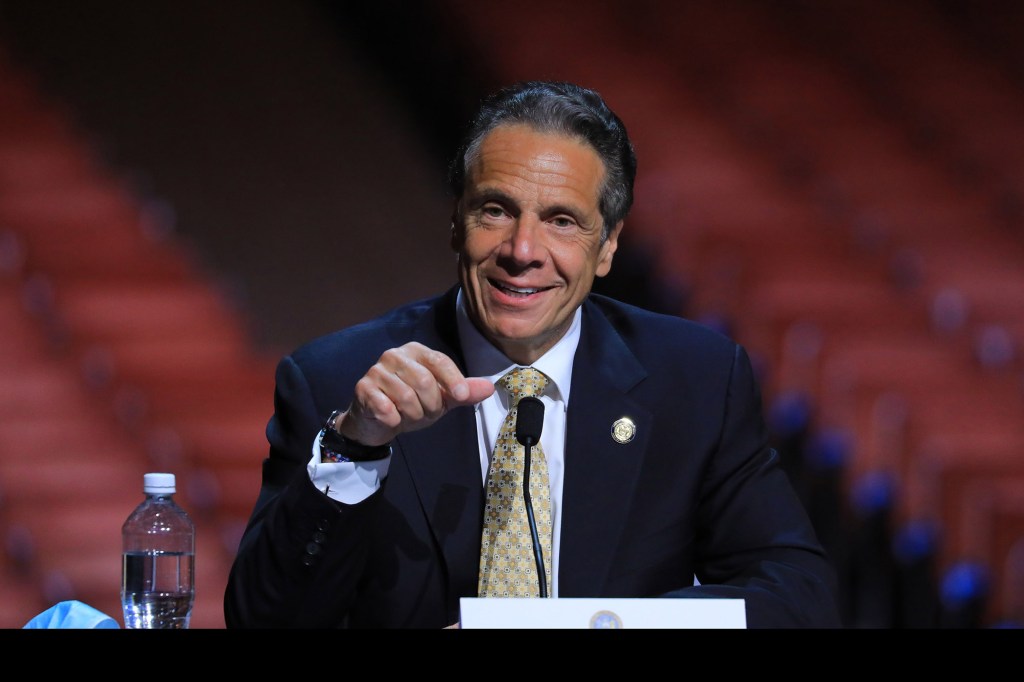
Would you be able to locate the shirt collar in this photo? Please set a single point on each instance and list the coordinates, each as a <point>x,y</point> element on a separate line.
<point>483,359</point>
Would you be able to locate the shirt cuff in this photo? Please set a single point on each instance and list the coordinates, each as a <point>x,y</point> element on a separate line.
<point>346,482</point>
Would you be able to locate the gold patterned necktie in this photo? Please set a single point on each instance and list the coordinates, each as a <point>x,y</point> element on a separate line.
<point>507,564</point>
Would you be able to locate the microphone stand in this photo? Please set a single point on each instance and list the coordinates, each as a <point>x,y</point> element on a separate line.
<point>538,552</point>
<point>529,423</point>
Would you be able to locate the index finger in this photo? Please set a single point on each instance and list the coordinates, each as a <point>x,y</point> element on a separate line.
<point>447,374</point>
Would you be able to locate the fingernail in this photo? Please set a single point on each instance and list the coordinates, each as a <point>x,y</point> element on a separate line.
<point>461,391</point>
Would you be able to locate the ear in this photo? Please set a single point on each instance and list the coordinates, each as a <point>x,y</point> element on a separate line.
<point>611,243</point>
<point>457,232</point>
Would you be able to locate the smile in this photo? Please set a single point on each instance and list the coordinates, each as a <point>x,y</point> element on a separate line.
<point>517,291</point>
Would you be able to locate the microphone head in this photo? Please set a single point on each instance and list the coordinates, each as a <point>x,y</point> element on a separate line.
<point>529,420</point>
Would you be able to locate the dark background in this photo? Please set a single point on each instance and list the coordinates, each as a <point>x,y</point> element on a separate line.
<point>298,149</point>
<point>300,146</point>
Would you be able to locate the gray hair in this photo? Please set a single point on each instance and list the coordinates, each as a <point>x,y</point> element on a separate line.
<point>563,108</point>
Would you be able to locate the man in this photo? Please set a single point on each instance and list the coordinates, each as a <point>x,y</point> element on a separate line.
<point>372,507</point>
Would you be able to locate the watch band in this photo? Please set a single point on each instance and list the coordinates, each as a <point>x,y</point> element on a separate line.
<point>335,447</point>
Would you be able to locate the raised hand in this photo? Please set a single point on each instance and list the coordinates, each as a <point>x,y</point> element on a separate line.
<point>409,388</point>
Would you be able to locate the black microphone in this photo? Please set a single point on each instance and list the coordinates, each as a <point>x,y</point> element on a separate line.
<point>529,423</point>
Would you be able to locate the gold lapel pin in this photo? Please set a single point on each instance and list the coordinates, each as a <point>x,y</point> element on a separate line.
<point>623,430</point>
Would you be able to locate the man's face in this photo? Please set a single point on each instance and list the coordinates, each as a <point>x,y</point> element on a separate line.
<point>528,235</point>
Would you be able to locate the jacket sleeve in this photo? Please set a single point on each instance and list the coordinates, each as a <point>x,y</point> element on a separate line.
<point>755,540</point>
<point>301,555</point>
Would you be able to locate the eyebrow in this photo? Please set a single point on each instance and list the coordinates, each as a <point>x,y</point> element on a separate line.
<point>487,195</point>
<point>496,195</point>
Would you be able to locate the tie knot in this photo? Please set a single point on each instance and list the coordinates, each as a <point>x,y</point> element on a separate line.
<point>524,381</point>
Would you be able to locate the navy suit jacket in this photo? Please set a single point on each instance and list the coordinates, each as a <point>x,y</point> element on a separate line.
<point>698,491</point>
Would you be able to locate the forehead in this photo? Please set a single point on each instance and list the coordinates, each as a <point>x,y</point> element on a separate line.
<point>525,158</point>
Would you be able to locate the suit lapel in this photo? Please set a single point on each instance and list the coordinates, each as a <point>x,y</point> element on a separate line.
<point>600,473</point>
<point>444,463</point>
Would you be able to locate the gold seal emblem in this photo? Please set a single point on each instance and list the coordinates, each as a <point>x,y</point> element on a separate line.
<point>623,430</point>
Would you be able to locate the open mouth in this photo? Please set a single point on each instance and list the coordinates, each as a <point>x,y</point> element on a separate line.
<point>517,292</point>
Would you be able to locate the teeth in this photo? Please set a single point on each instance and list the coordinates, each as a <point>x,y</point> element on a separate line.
<point>518,290</point>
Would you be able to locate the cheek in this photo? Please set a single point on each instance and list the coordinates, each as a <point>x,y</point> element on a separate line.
<point>576,262</point>
<point>471,251</point>
<point>479,243</point>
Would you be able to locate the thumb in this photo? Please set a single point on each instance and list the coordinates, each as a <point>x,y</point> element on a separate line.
<point>479,389</point>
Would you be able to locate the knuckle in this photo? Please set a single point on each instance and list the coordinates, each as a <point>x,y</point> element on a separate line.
<point>405,394</point>
<point>365,385</point>
<point>422,381</point>
<point>390,356</point>
<point>435,411</point>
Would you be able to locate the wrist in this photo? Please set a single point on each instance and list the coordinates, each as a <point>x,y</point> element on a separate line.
<point>335,447</point>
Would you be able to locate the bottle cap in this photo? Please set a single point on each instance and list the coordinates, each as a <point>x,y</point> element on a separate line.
<point>158,483</point>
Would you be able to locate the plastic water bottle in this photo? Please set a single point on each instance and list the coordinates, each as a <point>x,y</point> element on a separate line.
<point>157,580</point>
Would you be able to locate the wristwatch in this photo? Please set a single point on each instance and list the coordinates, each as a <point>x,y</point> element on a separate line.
<point>335,447</point>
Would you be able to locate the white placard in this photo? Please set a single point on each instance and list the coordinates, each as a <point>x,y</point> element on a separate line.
<point>579,613</point>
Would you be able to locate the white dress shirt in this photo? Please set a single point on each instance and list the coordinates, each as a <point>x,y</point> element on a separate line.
<point>351,482</point>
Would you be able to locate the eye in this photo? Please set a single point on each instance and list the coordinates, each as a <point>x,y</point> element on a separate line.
<point>563,221</point>
<point>492,211</point>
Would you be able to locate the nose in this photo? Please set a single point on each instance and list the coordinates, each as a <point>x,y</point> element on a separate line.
<point>524,241</point>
